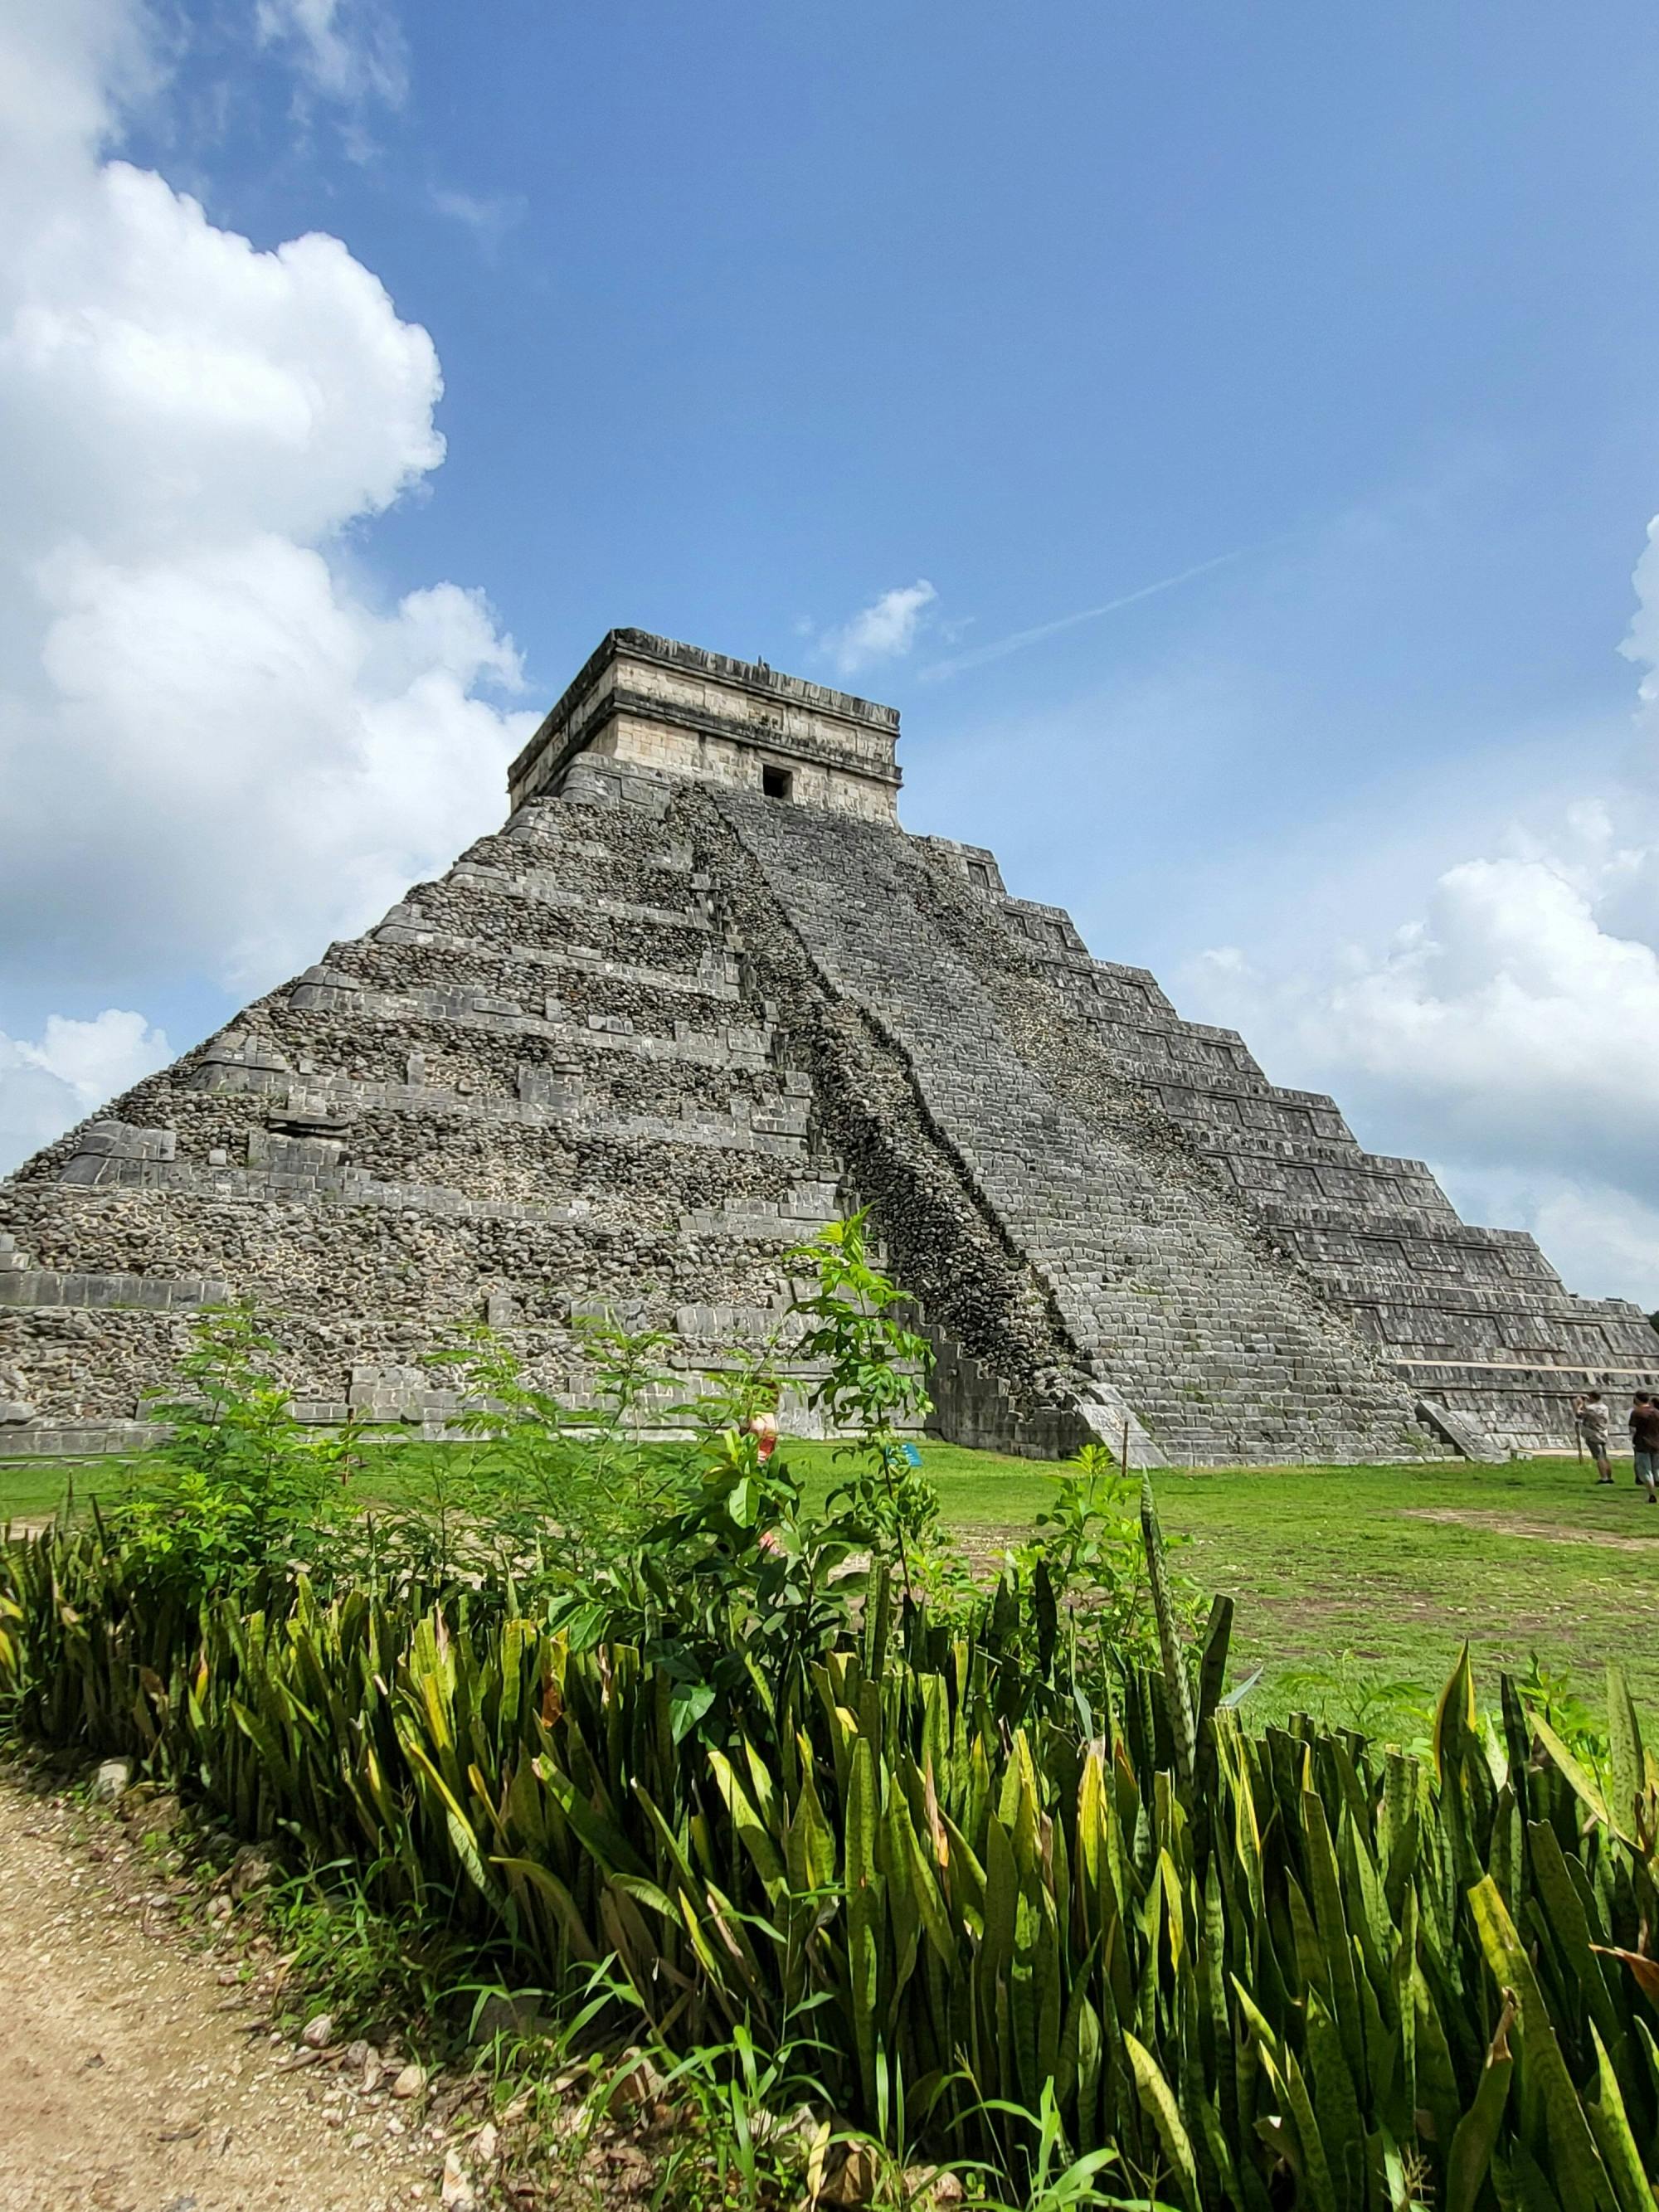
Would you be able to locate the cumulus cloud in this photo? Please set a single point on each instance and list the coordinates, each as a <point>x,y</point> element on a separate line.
<point>218,746</point>
<point>1509,1032</point>
<point>48,1085</point>
<point>884,630</point>
<point>1521,1023</point>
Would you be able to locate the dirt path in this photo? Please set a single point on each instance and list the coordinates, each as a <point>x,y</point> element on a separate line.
<point>129,2082</point>
<point>1541,1532</point>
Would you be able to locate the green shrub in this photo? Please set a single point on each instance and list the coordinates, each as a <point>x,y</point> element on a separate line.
<point>233,1486</point>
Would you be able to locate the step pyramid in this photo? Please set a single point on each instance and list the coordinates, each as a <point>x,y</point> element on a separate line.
<point>699,994</point>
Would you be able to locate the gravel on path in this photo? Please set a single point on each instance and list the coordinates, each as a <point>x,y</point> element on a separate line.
<point>128,2080</point>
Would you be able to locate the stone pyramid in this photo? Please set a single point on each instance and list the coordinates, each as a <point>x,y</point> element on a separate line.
<point>700,993</point>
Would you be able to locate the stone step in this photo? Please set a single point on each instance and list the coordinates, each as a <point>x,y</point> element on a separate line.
<point>1462,1293</point>
<point>554,827</point>
<point>61,1439</point>
<point>715,976</point>
<point>297,1179</point>
<point>1184,1093</point>
<point>1228,1140</point>
<point>1361,1224</point>
<point>298,1171</point>
<point>548,1098</point>
<point>1364,1239</point>
<point>40,1288</point>
<point>1469,1323</point>
<point>1264,1182</point>
<point>539,886</point>
<point>731,1045</point>
<point>797,1220</point>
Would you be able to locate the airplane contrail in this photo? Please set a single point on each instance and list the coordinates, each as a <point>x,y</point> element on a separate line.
<point>938,670</point>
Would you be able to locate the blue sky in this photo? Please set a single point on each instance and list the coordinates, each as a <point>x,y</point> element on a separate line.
<point>752,315</point>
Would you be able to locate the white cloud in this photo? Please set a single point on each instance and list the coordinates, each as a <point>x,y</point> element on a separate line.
<point>1521,1025</point>
<point>163,385</point>
<point>73,1067</point>
<point>218,747</point>
<point>348,51</point>
<point>1510,1031</point>
<point>884,630</point>
<point>488,216</point>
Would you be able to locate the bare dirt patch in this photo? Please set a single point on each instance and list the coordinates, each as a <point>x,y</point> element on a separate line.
<point>131,2082</point>
<point>1540,1532</point>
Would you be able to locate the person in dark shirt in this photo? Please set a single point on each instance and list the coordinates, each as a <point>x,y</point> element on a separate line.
<point>1644,1443</point>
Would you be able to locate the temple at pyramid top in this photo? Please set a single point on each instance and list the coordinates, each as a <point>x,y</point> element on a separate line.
<point>698,995</point>
<point>649,702</point>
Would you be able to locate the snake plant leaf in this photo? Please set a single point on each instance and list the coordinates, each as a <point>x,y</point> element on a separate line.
<point>1468,2162</point>
<point>1643,1969</point>
<point>1456,1723</point>
<point>1002,1897</point>
<point>1610,2125</point>
<point>1175,1910</point>
<point>756,1838</point>
<point>1073,2031</point>
<point>1576,2166</point>
<point>1240,1691</point>
<point>1177,1689</point>
<point>1312,2163</point>
<point>1158,2102</point>
<point>810,1842</point>
<point>1520,2181</point>
<point>1218,2149</point>
<point>1437,2102</point>
<point>547,1883</point>
<point>929,1902</point>
<point>1583,1785</point>
<point>1368,1907</point>
<point>598,1833</point>
<point>1212,1663</point>
<point>1260,2026</point>
<point>463,1837</point>
<point>1399,1828</point>
<point>1341,2130</point>
<point>1332,1927</point>
<point>863,1809</point>
<point>1626,1758</point>
<point>1381,2051</point>
<point>1570,1927</point>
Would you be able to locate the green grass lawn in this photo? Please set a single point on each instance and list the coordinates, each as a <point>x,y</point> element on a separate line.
<point>1371,1574</point>
<point>1396,1566</point>
<point>34,1489</point>
<point>1356,1576</point>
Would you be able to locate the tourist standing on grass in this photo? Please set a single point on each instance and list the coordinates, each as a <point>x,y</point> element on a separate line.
<point>1644,1442</point>
<point>1593,1421</point>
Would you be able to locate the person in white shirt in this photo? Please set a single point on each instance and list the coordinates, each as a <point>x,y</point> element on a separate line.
<point>1592,1413</point>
